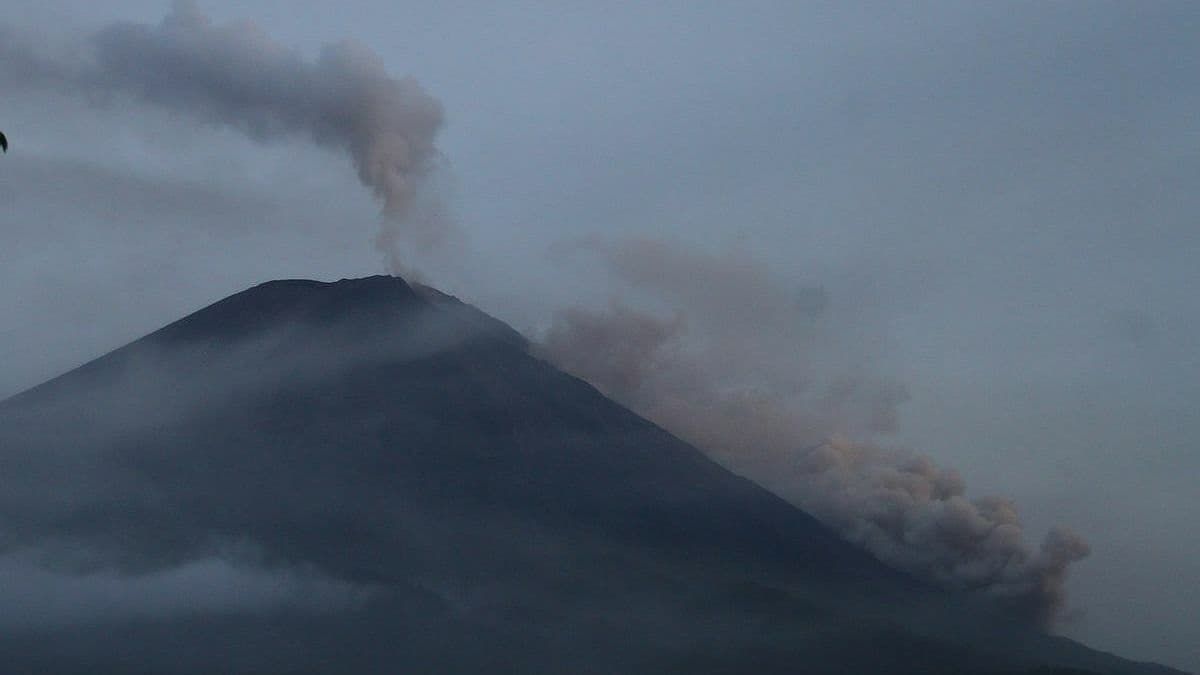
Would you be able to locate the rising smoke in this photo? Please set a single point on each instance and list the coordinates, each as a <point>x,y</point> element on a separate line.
<point>236,76</point>
<point>726,356</point>
<point>739,364</point>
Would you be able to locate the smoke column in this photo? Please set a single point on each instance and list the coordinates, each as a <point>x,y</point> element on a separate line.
<point>235,76</point>
<point>760,377</point>
<point>736,363</point>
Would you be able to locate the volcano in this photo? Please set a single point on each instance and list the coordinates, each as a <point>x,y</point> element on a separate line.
<point>453,504</point>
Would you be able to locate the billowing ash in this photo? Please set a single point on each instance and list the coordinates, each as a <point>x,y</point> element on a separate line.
<point>236,76</point>
<point>760,375</point>
<point>912,513</point>
<point>769,380</point>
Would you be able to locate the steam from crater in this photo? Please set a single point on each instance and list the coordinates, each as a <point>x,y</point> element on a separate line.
<point>236,76</point>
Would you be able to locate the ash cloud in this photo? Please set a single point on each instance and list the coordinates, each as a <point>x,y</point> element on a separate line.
<point>764,377</point>
<point>914,514</point>
<point>731,359</point>
<point>236,76</point>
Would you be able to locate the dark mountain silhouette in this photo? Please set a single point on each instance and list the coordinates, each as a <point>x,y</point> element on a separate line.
<point>477,510</point>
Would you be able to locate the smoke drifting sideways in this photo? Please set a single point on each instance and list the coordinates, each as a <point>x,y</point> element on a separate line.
<point>235,76</point>
<point>762,377</point>
<point>740,366</point>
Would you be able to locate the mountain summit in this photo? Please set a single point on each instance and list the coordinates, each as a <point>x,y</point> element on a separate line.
<point>390,482</point>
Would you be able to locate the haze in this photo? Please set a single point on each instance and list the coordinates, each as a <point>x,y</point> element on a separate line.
<point>997,202</point>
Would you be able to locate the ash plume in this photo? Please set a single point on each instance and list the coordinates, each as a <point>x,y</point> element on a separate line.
<point>770,379</point>
<point>236,76</point>
<point>758,375</point>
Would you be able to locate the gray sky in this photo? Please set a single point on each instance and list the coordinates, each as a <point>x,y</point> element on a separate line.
<point>1001,194</point>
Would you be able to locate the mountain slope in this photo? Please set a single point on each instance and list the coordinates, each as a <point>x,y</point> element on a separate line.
<point>472,507</point>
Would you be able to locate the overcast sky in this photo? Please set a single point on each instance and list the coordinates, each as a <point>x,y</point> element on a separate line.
<point>1005,193</point>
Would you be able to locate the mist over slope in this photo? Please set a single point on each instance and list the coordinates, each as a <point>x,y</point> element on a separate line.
<point>394,482</point>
